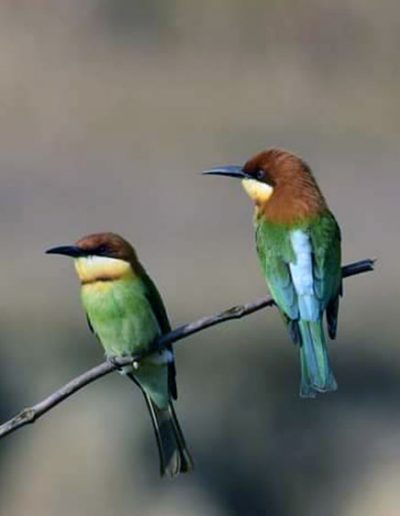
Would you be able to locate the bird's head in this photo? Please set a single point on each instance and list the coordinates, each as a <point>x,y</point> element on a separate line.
<point>100,257</point>
<point>280,184</point>
<point>264,173</point>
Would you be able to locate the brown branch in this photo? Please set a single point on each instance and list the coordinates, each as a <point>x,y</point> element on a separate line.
<point>31,414</point>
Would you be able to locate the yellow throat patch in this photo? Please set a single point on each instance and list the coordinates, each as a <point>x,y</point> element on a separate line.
<point>257,191</point>
<point>91,269</point>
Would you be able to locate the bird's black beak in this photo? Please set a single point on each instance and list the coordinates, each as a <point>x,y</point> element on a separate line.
<point>67,250</point>
<point>228,170</point>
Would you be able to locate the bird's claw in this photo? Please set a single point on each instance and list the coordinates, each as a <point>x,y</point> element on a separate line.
<point>113,361</point>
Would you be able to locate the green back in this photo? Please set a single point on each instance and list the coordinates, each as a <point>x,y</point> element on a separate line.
<point>275,253</point>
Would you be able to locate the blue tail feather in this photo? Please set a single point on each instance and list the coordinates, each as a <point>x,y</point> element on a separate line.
<point>316,373</point>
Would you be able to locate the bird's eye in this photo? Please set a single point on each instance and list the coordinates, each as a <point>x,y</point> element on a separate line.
<point>260,174</point>
<point>102,249</point>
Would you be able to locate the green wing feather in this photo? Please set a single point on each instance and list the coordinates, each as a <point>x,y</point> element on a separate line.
<point>275,253</point>
<point>160,312</point>
<point>326,243</point>
<point>156,303</point>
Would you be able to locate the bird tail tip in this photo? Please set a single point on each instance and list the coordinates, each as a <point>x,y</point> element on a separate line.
<point>316,373</point>
<point>174,455</point>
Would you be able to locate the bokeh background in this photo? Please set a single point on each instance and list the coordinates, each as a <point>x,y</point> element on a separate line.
<point>109,109</point>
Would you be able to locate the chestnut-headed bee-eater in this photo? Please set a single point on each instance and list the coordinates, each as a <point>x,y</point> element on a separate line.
<point>299,247</point>
<point>125,311</point>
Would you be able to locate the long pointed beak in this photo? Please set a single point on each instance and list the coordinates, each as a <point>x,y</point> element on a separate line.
<point>228,171</point>
<point>67,250</point>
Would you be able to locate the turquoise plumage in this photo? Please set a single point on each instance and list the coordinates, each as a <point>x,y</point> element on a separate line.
<point>299,248</point>
<point>126,313</point>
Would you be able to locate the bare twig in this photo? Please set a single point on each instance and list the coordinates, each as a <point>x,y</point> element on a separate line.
<point>31,414</point>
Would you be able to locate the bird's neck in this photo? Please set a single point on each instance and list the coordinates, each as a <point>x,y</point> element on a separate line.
<point>292,202</point>
<point>94,269</point>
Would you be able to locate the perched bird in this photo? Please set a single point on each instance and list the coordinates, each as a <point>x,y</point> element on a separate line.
<point>299,247</point>
<point>125,311</point>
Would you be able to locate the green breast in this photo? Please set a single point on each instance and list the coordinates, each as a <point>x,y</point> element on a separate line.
<point>121,315</point>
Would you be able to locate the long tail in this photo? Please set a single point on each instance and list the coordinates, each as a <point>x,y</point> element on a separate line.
<point>316,373</point>
<point>174,455</point>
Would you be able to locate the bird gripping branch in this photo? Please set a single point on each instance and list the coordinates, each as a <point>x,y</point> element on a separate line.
<point>299,248</point>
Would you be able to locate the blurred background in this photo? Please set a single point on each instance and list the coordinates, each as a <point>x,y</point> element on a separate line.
<point>109,111</point>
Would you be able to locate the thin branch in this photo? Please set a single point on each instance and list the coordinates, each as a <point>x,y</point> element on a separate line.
<point>31,414</point>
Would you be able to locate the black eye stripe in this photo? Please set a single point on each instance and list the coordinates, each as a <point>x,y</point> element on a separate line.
<point>264,176</point>
<point>102,249</point>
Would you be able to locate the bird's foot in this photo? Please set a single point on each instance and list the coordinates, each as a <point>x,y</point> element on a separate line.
<point>113,360</point>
